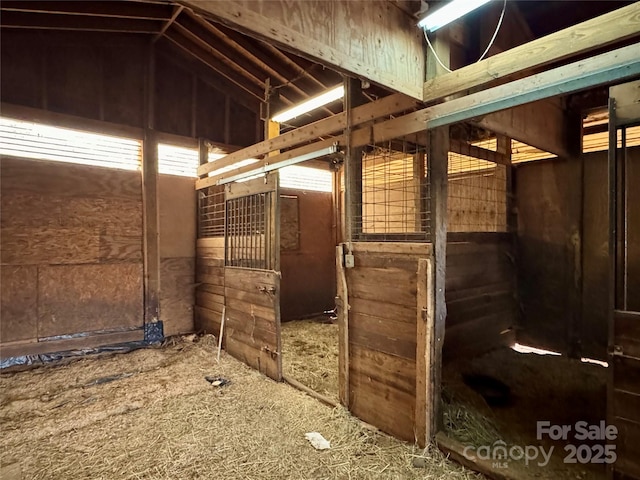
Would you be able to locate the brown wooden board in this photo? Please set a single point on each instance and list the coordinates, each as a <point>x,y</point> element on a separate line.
<point>177,294</point>
<point>595,257</point>
<point>18,299</point>
<point>382,332</point>
<point>628,448</point>
<point>545,232</point>
<point>177,210</point>
<point>46,245</point>
<point>84,298</point>
<point>481,296</point>
<point>386,407</point>
<point>252,318</point>
<point>69,180</point>
<point>120,245</point>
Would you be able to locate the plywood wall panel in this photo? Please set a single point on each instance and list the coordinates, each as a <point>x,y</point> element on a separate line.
<point>177,287</point>
<point>84,298</point>
<point>18,299</point>
<point>32,209</point>
<point>120,245</point>
<point>69,180</point>
<point>177,199</point>
<point>47,245</point>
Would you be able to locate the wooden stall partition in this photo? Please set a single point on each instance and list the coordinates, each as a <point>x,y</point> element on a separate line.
<point>480,294</point>
<point>177,205</point>
<point>209,284</point>
<point>72,274</point>
<point>252,328</point>
<point>623,398</point>
<point>381,299</point>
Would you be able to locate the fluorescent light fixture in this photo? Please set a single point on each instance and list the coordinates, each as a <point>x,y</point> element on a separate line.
<point>450,12</point>
<point>275,166</point>
<point>311,104</point>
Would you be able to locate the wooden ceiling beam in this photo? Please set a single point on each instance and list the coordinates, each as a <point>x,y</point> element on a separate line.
<point>206,58</point>
<point>616,26</point>
<point>176,13</point>
<point>134,10</point>
<point>254,66</point>
<point>288,68</point>
<point>206,74</point>
<point>179,31</point>
<point>45,21</point>
<point>368,112</point>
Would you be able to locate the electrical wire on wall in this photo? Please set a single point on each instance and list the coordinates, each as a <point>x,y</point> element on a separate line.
<point>493,39</point>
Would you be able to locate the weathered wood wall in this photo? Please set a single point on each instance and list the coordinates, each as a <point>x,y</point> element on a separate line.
<point>383,45</point>
<point>252,316</point>
<point>481,295</point>
<point>563,252</point>
<point>177,205</point>
<point>308,270</point>
<point>382,331</point>
<point>71,254</point>
<point>104,78</point>
<point>210,284</point>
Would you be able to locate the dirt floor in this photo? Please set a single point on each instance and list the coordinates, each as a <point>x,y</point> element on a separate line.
<point>152,414</point>
<point>310,354</point>
<point>557,389</point>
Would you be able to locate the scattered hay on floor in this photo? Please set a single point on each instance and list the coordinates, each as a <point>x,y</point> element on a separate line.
<point>466,422</point>
<point>166,421</point>
<point>310,354</point>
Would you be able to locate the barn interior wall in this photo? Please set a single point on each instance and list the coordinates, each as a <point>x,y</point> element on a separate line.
<point>177,239</point>
<point>307,256</point>
<point>104,78</point>
<point>480,294</point>
<point>563,252</point>
<point>84,224</point>
<point>71,254</point>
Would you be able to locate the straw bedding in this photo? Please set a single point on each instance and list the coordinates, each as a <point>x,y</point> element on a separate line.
<point>310,354</point>
<point>151,414</point>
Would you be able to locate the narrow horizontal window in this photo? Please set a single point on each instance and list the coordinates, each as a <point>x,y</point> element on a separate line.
<point>45,142</point>
<point>180,161</point>
<point>306,178</point>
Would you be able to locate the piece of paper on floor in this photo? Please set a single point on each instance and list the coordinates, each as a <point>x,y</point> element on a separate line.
<point>318,441</point>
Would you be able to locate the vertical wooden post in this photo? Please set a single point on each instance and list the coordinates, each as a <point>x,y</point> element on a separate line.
<point>342,302</point>
<point>437,164</point>
<point>271,128</point>
<point>353,97</point>
<point>575,256</point>
<point>151,248</point>
<point>425,388</point>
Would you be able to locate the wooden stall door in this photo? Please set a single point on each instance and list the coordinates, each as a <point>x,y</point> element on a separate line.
<point>252,274</point>
<point>623,402</point>
<point>385,322</point>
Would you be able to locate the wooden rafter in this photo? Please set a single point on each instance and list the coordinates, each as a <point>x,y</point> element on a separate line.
<point>616,26</point>
<point>212,62</point>
<point>134,10</point>
<point>46,21</point>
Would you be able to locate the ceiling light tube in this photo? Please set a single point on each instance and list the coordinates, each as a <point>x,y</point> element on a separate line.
<point>311,104</point>
<point>450,12</point>
<point>275,166</point>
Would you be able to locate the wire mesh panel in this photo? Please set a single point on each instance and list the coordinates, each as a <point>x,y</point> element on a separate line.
<point>477,195</point>
<point>395,194</point>
<point>211,212</point>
